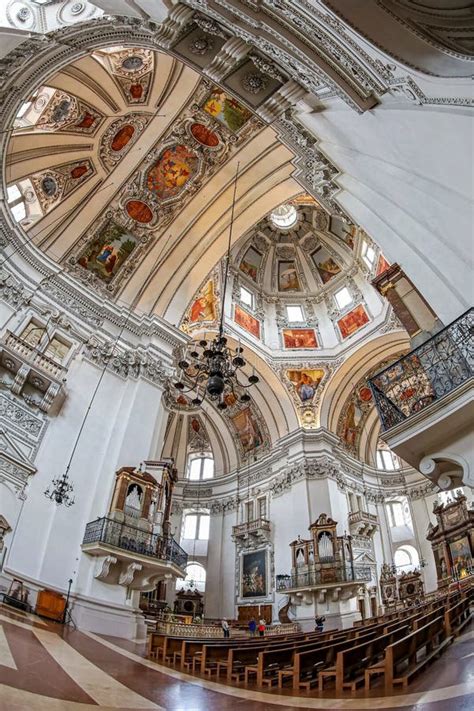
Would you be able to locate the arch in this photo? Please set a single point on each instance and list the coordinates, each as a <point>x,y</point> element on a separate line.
<point>406,558</point>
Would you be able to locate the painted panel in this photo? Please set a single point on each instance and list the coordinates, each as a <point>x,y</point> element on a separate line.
<point>326,266</point>
<point>247,321</point>
<point>305,381</point>
<point>174,168</point>
<point>250,263</point>
<point>254,574</point>
<point>108,251</point>
<point>352,321</point>
<point>248,430</point>
<point>288,277</point>
<point>203,307</point>
<point>226,109</point>
<point>299,338</point>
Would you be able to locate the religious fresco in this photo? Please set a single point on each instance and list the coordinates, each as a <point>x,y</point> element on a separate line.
<point>254,574</point>
<point>299,338</point>
<point>204,135</point>
<point>251,262</point>
<point>173,169</point>
<point>120,136</point>
<point>288,276</point>
<point>247,321</point>
<point>132,68</point>
<point>108,251</point>
<point>204,307</point>
<point>305,382</point>
<point>139,211</point>
<point>64,112</point>
<point>56,183</point>
<point>248,430</point>
<point>227,110</point>
<point>325,264</point>
<point>352,321</point>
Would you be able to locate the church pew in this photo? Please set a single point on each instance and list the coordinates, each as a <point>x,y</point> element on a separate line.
<point>457,617</point>
<point>308,664</point>
<point>406,657</point>
<point>349,670</point>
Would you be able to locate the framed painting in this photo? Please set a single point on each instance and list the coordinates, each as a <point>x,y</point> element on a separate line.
<point>305,381</point>
<point>326,266</point>
<point>203,307</point>
<point>254,579</point>
<point>288,277</point>
<point>461,556</point>
<point>352,321</point>
<point>299,338</point>
<point>247,321</point>
<point>248,430</point>
<point>173,169</point>
<point>108,251</point>
<point>225,109</point>
<point>250,263</point>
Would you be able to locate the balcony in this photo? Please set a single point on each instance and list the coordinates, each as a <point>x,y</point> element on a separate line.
<point>425,403</point>
<point>132,556</point>
<point>258,529</point>
<point>305,581</point>
<point>37,378</point>
<point>362,523</point>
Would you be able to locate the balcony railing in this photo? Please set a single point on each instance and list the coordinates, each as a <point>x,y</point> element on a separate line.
<point>260,525</point>
<point>426,374</point>
<point>363,517</point>
<point>30,354</point>
<point>134,540</point>
<point>322,578</point>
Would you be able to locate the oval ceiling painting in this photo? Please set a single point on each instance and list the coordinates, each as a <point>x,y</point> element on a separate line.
<point>139,211</point>
<point>173,169</point>
<point>122,137</point>
<point>204,135</point>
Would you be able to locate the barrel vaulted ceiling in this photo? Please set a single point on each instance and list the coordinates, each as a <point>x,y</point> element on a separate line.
<point>125,160</point>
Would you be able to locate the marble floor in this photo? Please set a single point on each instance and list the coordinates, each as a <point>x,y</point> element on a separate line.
<point>44,667</point>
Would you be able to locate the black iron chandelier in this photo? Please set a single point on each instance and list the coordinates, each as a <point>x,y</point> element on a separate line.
<point>212,368</point>
<point>60,491</point>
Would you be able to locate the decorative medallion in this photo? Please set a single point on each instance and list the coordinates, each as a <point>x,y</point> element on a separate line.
<point>204,135</point>
<point>254,82</point>
<point>122,137</point>
<point>139,211</point>
<point>201,45</point>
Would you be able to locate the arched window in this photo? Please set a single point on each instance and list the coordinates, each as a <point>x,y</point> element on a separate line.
<point>195,577</point>
<point>386,460</point>
<point>200,466</point>
<point>406,558</point>
<point>196,526</point>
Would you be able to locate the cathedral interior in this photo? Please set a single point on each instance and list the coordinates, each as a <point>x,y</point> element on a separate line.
<point>236,354</point>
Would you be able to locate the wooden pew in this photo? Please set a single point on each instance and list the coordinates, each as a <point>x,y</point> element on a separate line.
<point>407,656</point>
<point>457,617</point>
<point>351,663</point>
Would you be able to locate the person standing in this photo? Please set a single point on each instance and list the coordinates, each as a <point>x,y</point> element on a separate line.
<point>262,627</point>
<point>225,627</point>
<point>252,627</point>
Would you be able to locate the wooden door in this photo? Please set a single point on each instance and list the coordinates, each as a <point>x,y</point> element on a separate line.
<point>265,613</point>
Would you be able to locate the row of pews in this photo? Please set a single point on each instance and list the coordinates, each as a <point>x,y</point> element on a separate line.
<point>396,647</point>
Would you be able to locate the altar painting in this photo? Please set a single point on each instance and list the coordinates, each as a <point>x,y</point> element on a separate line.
<point>305,381</point>
<point>461,555</point>
<point>226,109</point>
<point>351,322</point>
<point>248,430</point>
<point>108,251</point>
<point>254,574</point>
<point>204,307</point>
<point>325,264</point>
<point>250,263</point>
<point>173,169</point>
<point>247,321</point>
<point>288,277</point>
<point>299,338</point>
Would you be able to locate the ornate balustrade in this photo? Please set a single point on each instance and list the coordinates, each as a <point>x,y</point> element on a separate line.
<point>426,374</point>
<point>134,540</point>
<point>362,523</point>
<point>203,631</point>
<point>313,579</point>
<point>258,528</point>
<point>30,354</point>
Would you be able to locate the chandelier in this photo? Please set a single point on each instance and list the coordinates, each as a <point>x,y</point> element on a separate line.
<point>60,491</point>
<point>212,368</point>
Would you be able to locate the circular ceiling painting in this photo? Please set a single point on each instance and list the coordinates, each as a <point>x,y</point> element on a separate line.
<point>139,211</point>
<point>204,135</point>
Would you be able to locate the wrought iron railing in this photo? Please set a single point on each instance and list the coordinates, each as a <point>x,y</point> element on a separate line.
<point>134,540</point>
<point>358,573</point>
<point>426,374</point>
